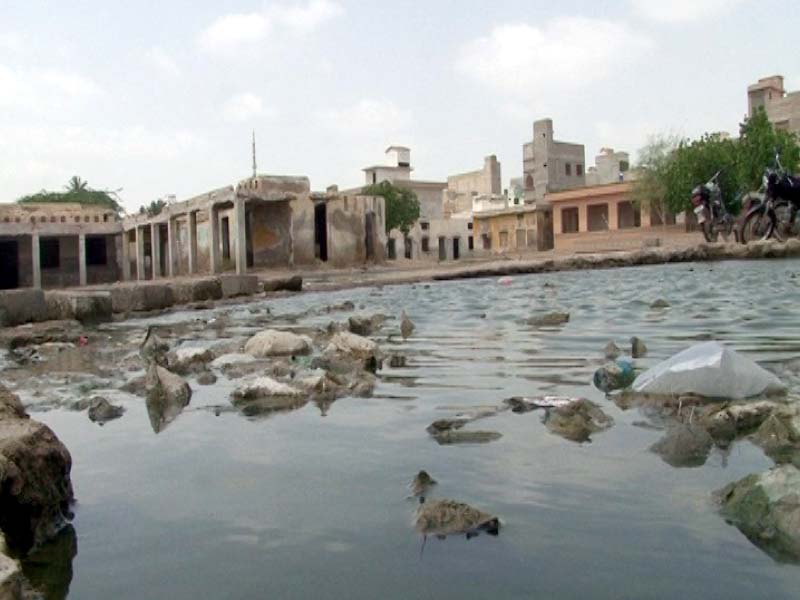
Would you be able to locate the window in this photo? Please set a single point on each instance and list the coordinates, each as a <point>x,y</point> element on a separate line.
<point>63,219</point>
<point>568,169</point>
<point>43,219</point>
<point>469,225</point>
<point>96,251</point>
<point>504,239</point>
<point>529,183</point>
<point>49,253</point>
<point>424,226</point>
<point>470,243</point>
<point>569,220</point>
<point>374,178</point>
<point>579,169</point>
<point>425,244</point>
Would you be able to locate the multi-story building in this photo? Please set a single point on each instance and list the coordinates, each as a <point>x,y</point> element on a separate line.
<point>550,165</point>
<point>609,167</point>
<point>782,108</point>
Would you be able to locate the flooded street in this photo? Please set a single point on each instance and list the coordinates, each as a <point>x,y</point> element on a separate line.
<point>313,501</point>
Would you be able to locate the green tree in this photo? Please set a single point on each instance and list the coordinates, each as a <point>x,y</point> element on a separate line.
<point>669,168</point>
<point>76,191</point>
<point>154,208</point>
<point>402,206</point>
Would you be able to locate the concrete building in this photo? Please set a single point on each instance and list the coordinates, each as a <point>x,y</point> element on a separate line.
<point>549,165</point>
<point>782,108</point>
<point>515,229</point>
<point>605,217</point>
<point>263,222</point>
<point>398,172</point>
<point>610,167</point>
<point>463,188</point>
<point>58,245</point>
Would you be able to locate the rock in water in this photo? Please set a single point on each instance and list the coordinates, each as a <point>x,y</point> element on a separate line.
<point>422,483</point>
<point>611,351</point>
<point>464,436</point>
<point>277,343</point>
<point>350,345</point>
<point>766,508</point>
<point>577,421</point>
<point>167,395</point>
<point>406,326</point>
<point>660,303</point>
<point>35,486</point>
<point>447,517</point>
<point>684,445</point>
<point>614,376</point>
<point>101,411</point>
<point>153,348</point>
<point>638,349</point>
<point>551,319</point>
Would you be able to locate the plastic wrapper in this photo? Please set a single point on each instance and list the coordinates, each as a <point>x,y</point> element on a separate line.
<point>711,370</point>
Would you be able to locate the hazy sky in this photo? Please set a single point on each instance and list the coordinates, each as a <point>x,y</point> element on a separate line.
<point>160,97</point>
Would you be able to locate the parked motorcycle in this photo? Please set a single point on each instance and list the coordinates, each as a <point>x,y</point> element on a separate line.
<point>777,215</point>
<point>712,216</point>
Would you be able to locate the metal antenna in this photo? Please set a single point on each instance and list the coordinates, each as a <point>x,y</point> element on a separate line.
<point>254,154</point>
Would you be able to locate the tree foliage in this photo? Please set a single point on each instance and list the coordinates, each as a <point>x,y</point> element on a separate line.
<point>154,208</point>
<point>670,167</point>
<point>76,191</point>
<point>402,205</point>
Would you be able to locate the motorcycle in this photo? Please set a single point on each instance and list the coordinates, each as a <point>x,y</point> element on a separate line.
<point>776,216</point>
<point>712,216</point>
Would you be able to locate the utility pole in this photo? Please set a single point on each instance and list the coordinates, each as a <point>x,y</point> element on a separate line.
<point>254,154</point>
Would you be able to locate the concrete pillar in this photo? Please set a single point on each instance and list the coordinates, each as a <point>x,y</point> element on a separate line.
<point>613,215</point>
<point>213,239</point>
<point>192,225</point>
<point>155,249</point>
<point>37,264</point>
<point>172,234</point>
<point>82,259</point>
<point>126,261</point>
<point>140,266</point>
<point>240,229</point>
<point>583,218</point>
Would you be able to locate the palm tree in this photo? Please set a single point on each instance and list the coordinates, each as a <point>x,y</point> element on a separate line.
<point>76,184</point>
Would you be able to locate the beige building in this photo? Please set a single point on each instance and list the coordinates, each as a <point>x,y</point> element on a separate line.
<point>464,188</point>
<point>605,217</point>
<point>609,167</point>
<point>264,222</point>
<point>549,165</point>
<point>398,171</point>
<point>57,245</point>
<point>515,229</point>
<point>782,108</point>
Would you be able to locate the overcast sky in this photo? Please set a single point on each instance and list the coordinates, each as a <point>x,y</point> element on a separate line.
<point>160,97</point>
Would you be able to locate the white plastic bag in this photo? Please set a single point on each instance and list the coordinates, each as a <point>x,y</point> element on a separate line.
<point>711,370</point>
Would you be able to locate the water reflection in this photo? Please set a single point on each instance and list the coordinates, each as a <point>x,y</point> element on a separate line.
<point>49,568</point>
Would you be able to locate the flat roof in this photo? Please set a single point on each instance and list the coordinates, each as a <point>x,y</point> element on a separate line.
<point>605,189</point>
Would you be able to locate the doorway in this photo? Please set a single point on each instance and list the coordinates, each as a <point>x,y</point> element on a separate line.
<point>408,250</point>
<point>442,249</point>
<point>321,231</point>
<point>456,248</point>
<point>9,265</point>
<point>369,243</point>
<point>226,238</point>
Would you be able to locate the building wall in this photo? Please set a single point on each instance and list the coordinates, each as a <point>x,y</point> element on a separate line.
<point>545,163</point>
<point>509,231</point>
<point>433,230</point>
<point>783,109</point>
<point>347,229</point>
<point>270,234</point>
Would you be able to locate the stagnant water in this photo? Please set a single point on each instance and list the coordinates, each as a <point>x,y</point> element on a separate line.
<point>301,505</point>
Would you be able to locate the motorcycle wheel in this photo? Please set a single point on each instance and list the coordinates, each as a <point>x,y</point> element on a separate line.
<point>710,231</point>
<point>784,228</point>
<point>757,226</point>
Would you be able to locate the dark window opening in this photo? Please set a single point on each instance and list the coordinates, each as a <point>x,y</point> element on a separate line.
<point>426,247</point>
<point>470,243</point>
<point>579,169</point>
<point>442,248</point>
<point>569,220</point>
<point>391,249</point>
<point>568,169</point>
<point>49,253</point>
<point>9,265</point>
<point>456,248</point>
<point>469,226</point>
<point>374,178</point>
<point>96,251</point>
<point>321,231</point>
<point>226,239</point>
<point>424,226</point>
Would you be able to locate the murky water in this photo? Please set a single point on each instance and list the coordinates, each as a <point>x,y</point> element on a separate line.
<point>301,505</point>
